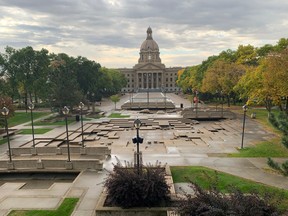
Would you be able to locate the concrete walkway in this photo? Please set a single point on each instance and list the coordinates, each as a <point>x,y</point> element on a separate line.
<point>89,184</point>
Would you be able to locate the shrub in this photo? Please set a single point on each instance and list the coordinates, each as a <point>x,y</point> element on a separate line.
<point>125,188</point>
<point>285,140</point>
<point>214,202</point>
<point>283,169</point>
<point>273,120</point>
<point>273,164</point>
<point>283,122</point>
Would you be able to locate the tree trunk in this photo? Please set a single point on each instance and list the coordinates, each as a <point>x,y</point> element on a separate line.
<point>228,100</point>
<point>26,101</point>
<point>286,106</point>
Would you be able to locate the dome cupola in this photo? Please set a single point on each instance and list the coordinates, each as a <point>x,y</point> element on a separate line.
<point>149,50</point>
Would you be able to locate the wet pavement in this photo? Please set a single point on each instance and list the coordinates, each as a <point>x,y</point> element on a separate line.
<point>172,147</point>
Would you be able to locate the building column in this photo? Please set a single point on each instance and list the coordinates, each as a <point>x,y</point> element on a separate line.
<point>157,81</point>
<point>152,80</point>
<point>142,80</point>
<point>147,80</point>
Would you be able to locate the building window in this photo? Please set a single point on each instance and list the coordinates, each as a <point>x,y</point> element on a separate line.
<point>171,79</point>
<point>128,86</point>
<point>166,79</point>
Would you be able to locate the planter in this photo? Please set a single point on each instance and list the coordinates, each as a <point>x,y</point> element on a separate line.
<point>102,210</point>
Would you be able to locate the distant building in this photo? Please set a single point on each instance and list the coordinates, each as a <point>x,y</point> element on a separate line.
<point>150,73</point>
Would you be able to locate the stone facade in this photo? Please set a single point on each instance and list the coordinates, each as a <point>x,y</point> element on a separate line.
<point>150,74</point>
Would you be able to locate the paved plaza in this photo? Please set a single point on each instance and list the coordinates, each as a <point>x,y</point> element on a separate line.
<point>167,138</point>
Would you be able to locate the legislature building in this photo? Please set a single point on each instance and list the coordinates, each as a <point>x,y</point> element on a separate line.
<point>150,74</point>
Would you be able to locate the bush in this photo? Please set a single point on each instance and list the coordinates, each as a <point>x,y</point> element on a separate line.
<point>283,122</point>
<point>285,140</point>
<point>283,169</point>
<point>125,188</point>
<point>273,120</point>
<point>273,164</point>
<point>214,202</point>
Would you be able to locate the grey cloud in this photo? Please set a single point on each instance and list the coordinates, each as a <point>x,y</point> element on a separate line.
<point>123,23</point>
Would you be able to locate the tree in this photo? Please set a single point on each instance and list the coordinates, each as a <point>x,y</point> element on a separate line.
<point>115,81</point>
<point>252,86</point>
<point>65,90</point>
<point>115,99</point>
<point>281,45</point>
<point>222,76</point>
<point>88,77</point>
<point>7,102</point>
<point>264,50</point>
<point>8,66</point>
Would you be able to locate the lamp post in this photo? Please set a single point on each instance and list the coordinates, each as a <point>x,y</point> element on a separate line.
<point>81,106</point>
<point>164,91</point>
<point>31,107</point>
<point>65,111</point>
<point>244,118</point>
<point>222,103</point>
<point>196,101</point>
<point>5,112</point>
<point>137,140</point>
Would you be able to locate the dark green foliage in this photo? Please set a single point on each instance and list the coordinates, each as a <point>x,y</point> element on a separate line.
<point>125,188</point>
<point>213,202</point>
<point>273,120</point>
<point>285,140</point>
<point>283,122</point>
<point>283,169</point>
<point>273,164</point>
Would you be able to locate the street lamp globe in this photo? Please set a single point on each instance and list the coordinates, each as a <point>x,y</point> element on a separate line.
<point>31,106</point>
<point>65,110</point>
<point>5,111</point>
<point>81,105</point>
<point>245,107</point>
<point>137,123</point>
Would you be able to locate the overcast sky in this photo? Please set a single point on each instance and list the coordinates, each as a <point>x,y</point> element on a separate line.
<point>112,31</point>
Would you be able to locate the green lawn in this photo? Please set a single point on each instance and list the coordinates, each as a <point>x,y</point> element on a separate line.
<point>199,176</point>
<point>65,209</point>
<point>2,141</point>
<point>118,115</point>
<point>58,122</point>
<point>271,148</point>
<point>262,117</point>
<point>23,117</point>
<point>36,131</point>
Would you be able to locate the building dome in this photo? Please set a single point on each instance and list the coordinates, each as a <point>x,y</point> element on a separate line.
<point>149,43</point>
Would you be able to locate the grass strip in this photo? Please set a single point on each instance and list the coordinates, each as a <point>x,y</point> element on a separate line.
<point>118,115</point>
<point>271,148</point>
<point>204,177</point>
<point>23,117</point>
<point>55,122</point>
<point>65,209</point>
<point>36,131</point>
<point>2,141</point>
